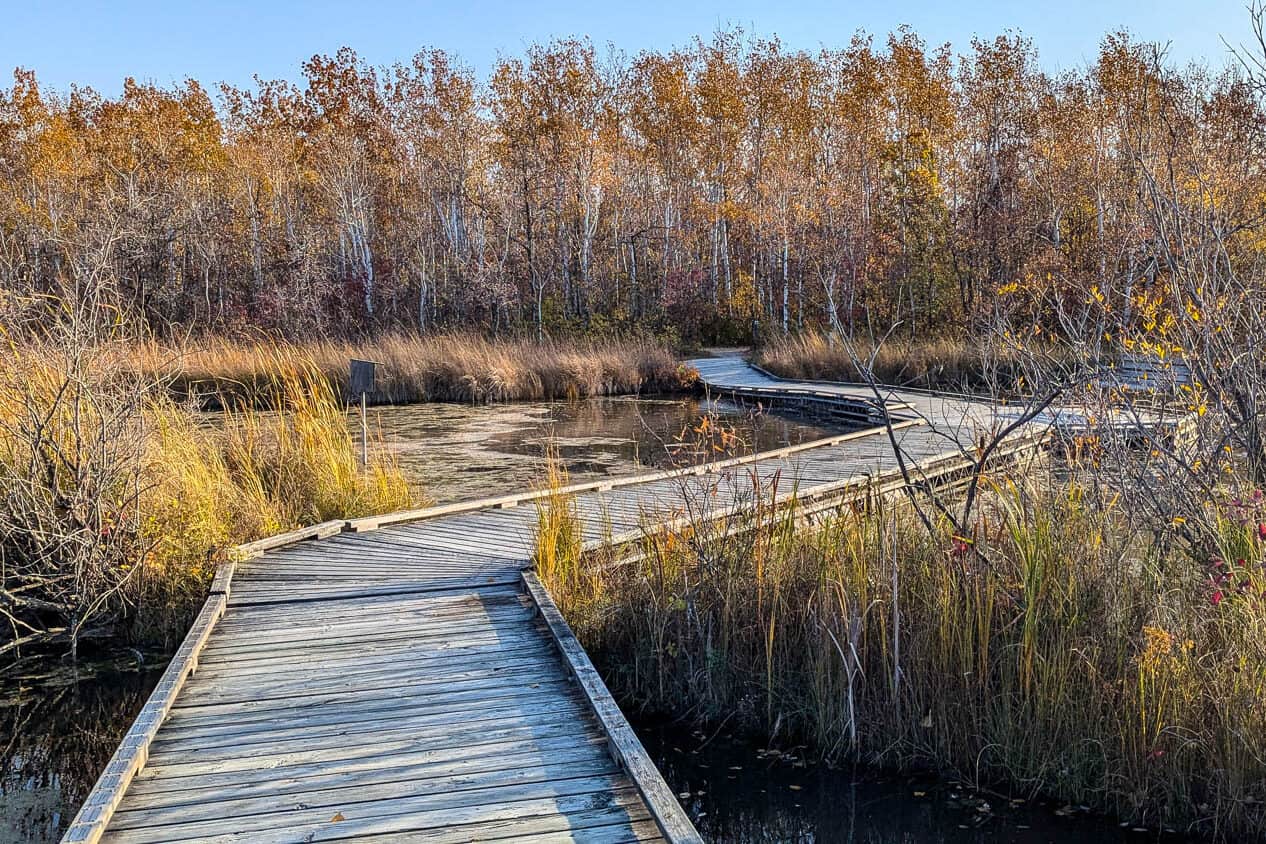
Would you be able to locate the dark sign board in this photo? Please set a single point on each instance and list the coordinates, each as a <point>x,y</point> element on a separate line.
<point>363,376</point>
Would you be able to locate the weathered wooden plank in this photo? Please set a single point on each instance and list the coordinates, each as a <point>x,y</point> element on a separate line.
<point>265,763</point>
<point>345,704</point>
<point>415,813</point>
<point>224,687</point>
<point>510,719</point>
<point>329,708</point>
<point>541,738</point>
<point>281,540</point>
<point>426,640</point>
<point>403,781</point>
<point>364,772</point>
<point>248,594</point>
<point>298,773</point>
<point>385,681</point>
<point>316,559</point>
<point>623,743</point>
<point>442,604</point>
<point>293,591</point>
<point>307,664</point>
<point>584,776</point>
<point>423,545</point>
<point>602,826</point>
<point>241,641</point>
<point>415,606</point>
<point>358,657</point>
<point>368,554</point>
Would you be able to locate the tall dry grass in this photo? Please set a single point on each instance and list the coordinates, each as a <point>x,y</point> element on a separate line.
<point>1061,652</point>
<point>559,552</point>
<point>119,501</point>
<point>445,367</point>
<point>946,363</point>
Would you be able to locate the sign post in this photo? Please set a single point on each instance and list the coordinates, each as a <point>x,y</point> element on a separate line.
<point>362,379</point>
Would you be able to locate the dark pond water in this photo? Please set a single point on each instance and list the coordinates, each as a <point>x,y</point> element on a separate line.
<point>740,793</point>
<point>59,730</point>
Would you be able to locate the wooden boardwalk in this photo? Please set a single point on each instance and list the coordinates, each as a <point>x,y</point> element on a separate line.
<point>406,678</point>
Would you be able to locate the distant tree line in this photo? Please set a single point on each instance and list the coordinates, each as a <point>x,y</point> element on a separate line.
<point>696,190</point>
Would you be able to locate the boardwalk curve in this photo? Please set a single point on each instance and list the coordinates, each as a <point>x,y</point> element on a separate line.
<point>407,678</point>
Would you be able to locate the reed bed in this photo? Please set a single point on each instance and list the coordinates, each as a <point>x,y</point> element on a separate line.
<point>446,367</point>
<point>119,501</point>
<point>1059,652</point>
<point>948,363</point>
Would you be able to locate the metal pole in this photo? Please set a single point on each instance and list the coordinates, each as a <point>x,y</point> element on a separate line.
<point>364,433</point>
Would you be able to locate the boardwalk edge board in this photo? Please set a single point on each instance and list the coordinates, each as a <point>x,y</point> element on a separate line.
<point>922,391</point>
<point>90,822</point>
<point>250,550</point>
<point>622,742</point>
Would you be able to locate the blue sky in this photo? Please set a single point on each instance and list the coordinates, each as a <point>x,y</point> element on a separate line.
<point>100,43</point>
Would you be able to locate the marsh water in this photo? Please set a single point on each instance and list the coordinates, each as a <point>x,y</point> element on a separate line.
<point>454,452</point>
<point>61,723</point>
<point>59,726</point>
<point>740,792</point>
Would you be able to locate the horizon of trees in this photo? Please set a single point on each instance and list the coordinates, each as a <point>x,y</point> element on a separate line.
<point>696,190</point>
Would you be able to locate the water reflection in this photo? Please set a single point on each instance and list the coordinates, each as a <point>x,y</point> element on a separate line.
<point>737,793</point>
<point>59,731</point>
<point>455,452</point>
